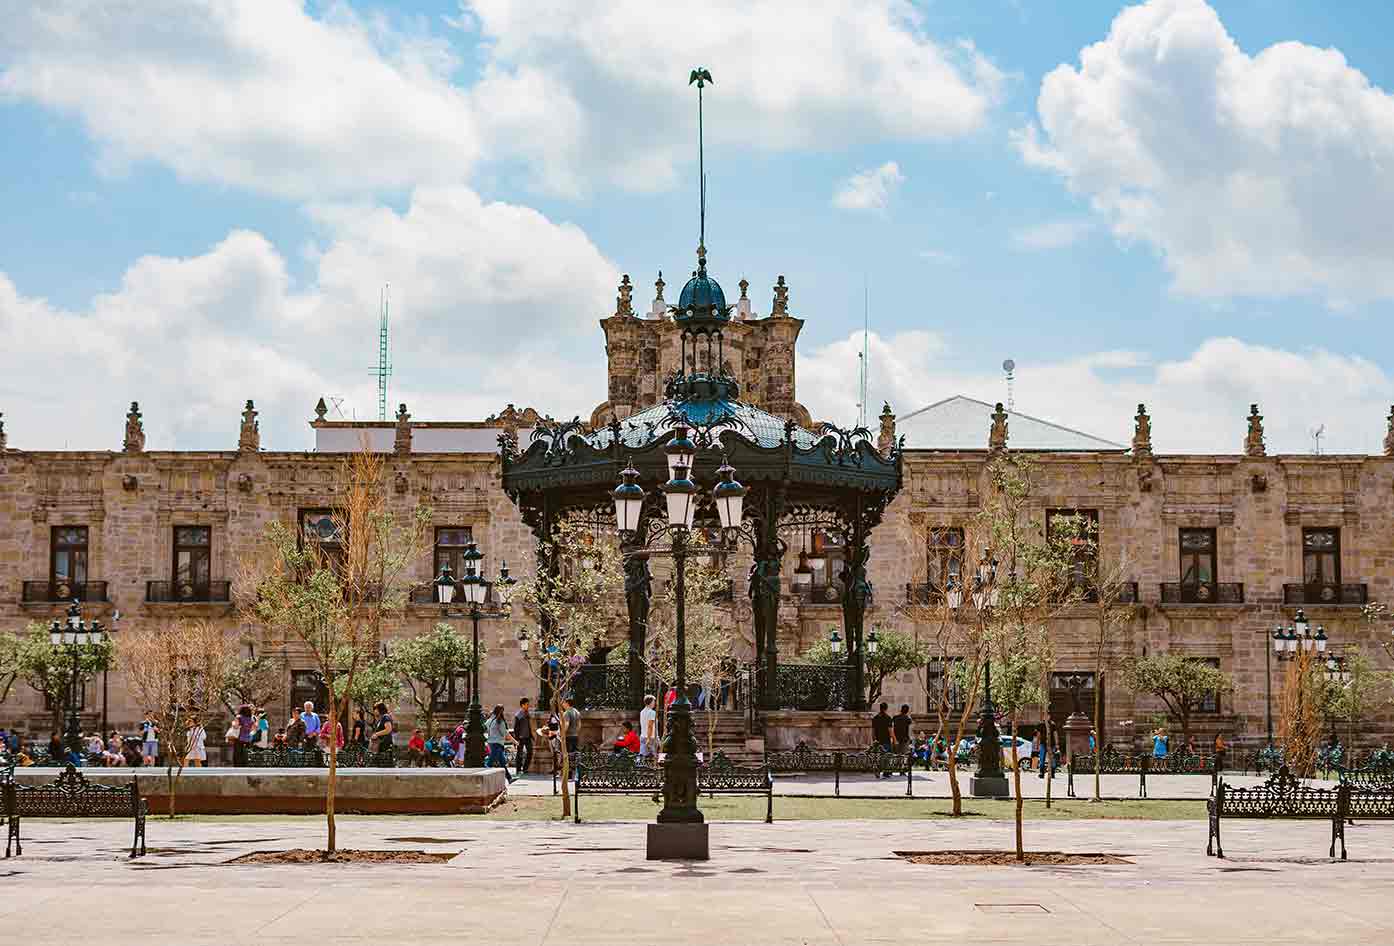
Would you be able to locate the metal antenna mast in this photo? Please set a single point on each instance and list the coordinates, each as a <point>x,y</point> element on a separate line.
<point>701,76</point>
<point>864,357</point>
<point>384,368</point>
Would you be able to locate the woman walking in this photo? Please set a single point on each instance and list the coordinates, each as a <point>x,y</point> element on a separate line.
<point>497,736</point>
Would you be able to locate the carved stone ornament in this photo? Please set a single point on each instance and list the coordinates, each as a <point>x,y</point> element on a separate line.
<point>1258,483</point>
<point>885,440</point>
<point>781,298</point>
<point>129,482</point>
<point>1388,436</point>
<point>135,431</point>
<point>997,437</point>
<point>399,483</point>
<point>249,438</point>
<point>1253,441</point>
<point>244,482</point>
<point>624,303</point>
<point>321,409</point>
<point>401,443</point>
<point>1144,479</point>
<point>1142,433</point>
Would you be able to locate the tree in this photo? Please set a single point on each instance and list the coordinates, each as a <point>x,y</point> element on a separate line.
<point>47,668</point>
<point>575,597</point>
<point>426,663</point>
<point>896,652</point>
<point>177,670</point>
<point>9,663</point>
<point>329,590</point>
<point>1021,658</point>
<point>1300,704</point>
<point>252,681</point>
<point>1348,698</point>
<point>1181,682</point>
<point>376,681</point>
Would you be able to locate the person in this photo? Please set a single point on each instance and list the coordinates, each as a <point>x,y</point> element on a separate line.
<point>901,727</point>
<point>359,732</point>
<point>382,735</point>
<point>648,728</point>
<point>230,740</point>
<point>723,692</point>
<point>1220,748</point>
<point>457,744</point>
<point>497,736</point>
<point>1036,747</point>
<point>294,731</point>
<point>881,730</point>
<point>312,723</point>
<point>416,749</point>
<point>1159,744</point>
<point>571,725</point>
<point>197,752</point>
<point>1091,741</point>
<point>115,753</point>
<point>55,748</point>
<point>323,736</point>
<point>150,736</point>
<point>246,730</point>
<point>263,736</point>
<point>551,731</point>
<point>522,734</point>
<point>670,698</point>
<point>279,741</point>
<point>1043,756</point>
<point>627,741</point>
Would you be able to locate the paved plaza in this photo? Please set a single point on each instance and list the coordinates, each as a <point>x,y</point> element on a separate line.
<point>829,882</point>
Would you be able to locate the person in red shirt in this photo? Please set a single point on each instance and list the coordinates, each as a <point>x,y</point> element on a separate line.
<point>628,740</point>
<point>416,748</point>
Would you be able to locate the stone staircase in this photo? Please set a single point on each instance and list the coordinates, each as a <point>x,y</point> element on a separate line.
<point>729,737</point>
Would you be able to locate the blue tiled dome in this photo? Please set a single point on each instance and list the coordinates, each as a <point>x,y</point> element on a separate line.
<point>703,294</point>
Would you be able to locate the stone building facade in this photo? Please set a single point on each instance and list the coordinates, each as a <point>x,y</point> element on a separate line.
<point>1274,532</point>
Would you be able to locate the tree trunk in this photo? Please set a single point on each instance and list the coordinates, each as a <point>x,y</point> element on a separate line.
<point>333,778</point>
<point>169,781</point>
<point>1098,731</point>
<point>1047,749</point>
<point>1016,783</point>
<point>565,757</point>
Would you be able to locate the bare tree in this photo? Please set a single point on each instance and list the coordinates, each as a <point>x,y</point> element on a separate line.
<point>177,670</point>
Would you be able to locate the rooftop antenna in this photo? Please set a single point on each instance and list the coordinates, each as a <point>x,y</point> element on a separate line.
<point>863,357</point>
<point>1009,367</point>
<point>1316,436</point>
<point>384,367</point>
<point>336,404</point>
<point>701,76</point>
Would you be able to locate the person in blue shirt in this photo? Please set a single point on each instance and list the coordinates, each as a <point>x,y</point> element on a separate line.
<point>1159,744</point>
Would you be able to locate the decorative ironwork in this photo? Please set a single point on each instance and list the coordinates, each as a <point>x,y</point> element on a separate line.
<point>64,591</point>
<point>810,687</point>
<point>349,757</point>
<point>846,442</point>
<point>556,436</point>
<point>1205,592</point>
<point>1331,593</point>
<point>186,592</point>
<point>802,758</point>
<point>624,774</point>
<point>72,796</point>
<point>1284,796</point>
<point>605,687</point>
<point>1372,774</point>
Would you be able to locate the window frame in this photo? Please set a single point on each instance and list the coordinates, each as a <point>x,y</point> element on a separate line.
<point>935,669</point>
<point>456,695</point>
<point>1081,556</point>
<point>1211,705</point>
<point>452,552</point>
<point>1183,554</point>
<point>196,551</point>
<point>1335,553</point>
<point>939,555</point>
<point>55,546</point>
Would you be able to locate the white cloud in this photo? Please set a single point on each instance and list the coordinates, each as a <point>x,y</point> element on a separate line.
<point>254,93</point>
<point>485,294</point>
<point>1051,235</point>
<point>1198,403</point>
<point>870,189</point>
<point>1258,175</point>
<point>588,91</point>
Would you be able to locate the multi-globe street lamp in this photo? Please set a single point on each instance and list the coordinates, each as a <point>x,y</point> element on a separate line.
<point>475,588</point>
<point>1289,643</point>
<point>989,779</point>
<point>77,639</point>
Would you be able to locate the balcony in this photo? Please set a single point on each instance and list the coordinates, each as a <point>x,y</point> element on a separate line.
<point>1203,592</point>
<point>1328,593</point>
<point>818,594</point>
<point>184,592</point>
<point>34,592</point>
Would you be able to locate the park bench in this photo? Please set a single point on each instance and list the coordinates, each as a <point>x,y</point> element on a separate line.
<point>621,776</point>
<point>1114,762</point>
<point>1284,796</point>
<point>804,758</point>
<point>71,796</point>
<point>1374,774</point>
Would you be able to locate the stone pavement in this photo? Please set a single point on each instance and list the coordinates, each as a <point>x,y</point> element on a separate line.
<point>824,883</point>
<point>936,785</point>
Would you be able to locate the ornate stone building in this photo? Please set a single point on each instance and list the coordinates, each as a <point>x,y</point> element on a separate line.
<point>1222,548</point>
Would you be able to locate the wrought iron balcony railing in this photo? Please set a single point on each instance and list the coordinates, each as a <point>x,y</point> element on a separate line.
<point>1202,592</point>
<point>818,594</point>
<point>60,590</point>
<point>1326,593</point>
<point>184,592</point>
<point>811,686</point>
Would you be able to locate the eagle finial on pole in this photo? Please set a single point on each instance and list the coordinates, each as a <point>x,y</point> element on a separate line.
<point>701,75</point>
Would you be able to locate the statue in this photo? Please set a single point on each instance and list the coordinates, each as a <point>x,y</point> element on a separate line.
<point>1142,433</point>
<point>135,431</point>
<point>1388,437</point>
<point>1253,442</point>
<point>781,298</point>
<point>249,438</point>
<point>401,443</point>
<point>624,305</point>
<point>997,437</point>
<point>885,440</point>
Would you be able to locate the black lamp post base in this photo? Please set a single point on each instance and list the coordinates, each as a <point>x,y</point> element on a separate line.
<point>989,786</point>
<point>474,738</point>
<point>678,842</point>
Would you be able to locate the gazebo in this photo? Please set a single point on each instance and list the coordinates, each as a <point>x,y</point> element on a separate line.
<point>795,480</point>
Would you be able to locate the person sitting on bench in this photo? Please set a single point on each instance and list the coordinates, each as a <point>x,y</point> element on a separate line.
<point>628,741</point>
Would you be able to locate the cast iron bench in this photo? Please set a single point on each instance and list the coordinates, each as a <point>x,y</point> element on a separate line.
<point>720,777</point>
<point>803,758</point>
<point>1370,775</point>
<point>71,796</point>
<point>1114,762</point>
<point>1284,796</point>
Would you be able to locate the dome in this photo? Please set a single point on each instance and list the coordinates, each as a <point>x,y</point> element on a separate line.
<point>703,294</point>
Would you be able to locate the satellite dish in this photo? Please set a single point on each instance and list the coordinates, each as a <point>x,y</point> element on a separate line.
<point>1009,365</point>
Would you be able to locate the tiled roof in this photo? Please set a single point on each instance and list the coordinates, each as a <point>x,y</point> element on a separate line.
<point>963,423</point>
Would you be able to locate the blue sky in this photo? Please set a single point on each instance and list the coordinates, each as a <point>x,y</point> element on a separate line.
<point>203,201</point>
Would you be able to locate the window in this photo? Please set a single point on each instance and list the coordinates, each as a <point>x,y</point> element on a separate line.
<point>324,528</point>
<point>935,680</point>
<point>68,564</point>
<point>1197,556</point>
<point>1211,703</point>
<point>945,558</point>
<point>1086,545</point>
<point>1321,556</point>
<point>450,547</point>
<point>192,557</point>
<point>307,686</point>
<point>456,695</point>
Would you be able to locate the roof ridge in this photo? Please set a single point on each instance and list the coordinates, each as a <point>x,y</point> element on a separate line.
<point>1010,414</point>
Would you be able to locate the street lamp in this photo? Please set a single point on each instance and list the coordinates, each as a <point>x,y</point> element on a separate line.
<point>680,495</point>
<point>989,779</point>
<point>475,588</point>
<point>1288,643</point>
<point>77,639</point>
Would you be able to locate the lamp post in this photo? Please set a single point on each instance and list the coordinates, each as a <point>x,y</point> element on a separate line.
<point>989,780</point>
<point>77,639</point>
<point>680,495</point>
<point>1289,643</point>
<point>476,591</point>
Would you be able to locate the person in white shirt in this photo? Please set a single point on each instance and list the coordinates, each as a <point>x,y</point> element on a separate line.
<point>648,728</point>
<point>198,748</point>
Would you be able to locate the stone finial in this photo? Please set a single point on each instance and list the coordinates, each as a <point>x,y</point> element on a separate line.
<point>135,432</point>
<point>997,438</point>
<point>659,309</point>
<point>1388,435</point>
<point>321,409</point>
<point>744,284</point>
<point>885,440</point>
<point>781,298</point>
<point>249,438</point>
<point>1253,441</point>
<point>624,304</point>
<point>1142,433</point>
<point>743,312</point>
<point>401,443</point>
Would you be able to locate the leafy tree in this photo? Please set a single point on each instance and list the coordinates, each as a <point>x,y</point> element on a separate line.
<point>896,652</point>
<point>9,663</point>
<point>177,669</point>
<point>252,681</point>
<point>1021,658</point>
<point>46,668</point>
<point>426,663</point>
<point>376,681</point>
<point>1183,683</point>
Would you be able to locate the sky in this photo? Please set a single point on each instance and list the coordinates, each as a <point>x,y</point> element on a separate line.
<point>1171,202</point>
